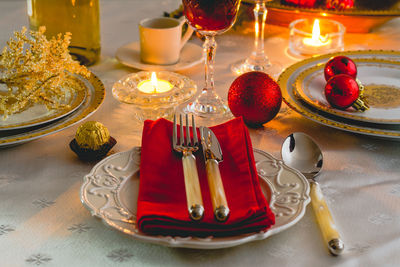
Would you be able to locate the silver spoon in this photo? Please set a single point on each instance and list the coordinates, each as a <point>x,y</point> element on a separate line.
<point>301,152</point>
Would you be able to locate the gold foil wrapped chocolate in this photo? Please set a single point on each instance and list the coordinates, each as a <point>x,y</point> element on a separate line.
<point>92,135</point>
<point>92,141</point>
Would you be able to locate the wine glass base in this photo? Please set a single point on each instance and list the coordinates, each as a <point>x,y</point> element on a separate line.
<point>208,104</point>
<point>207,118</point>
<point>242,66</point>
<point>215,111</point>
<point>209,110</point>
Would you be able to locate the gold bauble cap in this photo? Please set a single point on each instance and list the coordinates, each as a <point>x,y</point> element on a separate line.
<point>92,135</point>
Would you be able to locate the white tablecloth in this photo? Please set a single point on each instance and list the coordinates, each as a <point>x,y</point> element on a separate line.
<point>42,221</point>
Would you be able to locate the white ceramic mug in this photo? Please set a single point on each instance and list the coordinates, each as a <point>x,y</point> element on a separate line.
<point>161,40</point>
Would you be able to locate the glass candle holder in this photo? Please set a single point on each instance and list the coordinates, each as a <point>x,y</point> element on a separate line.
<point>154,94</point>
<point>315,37</point>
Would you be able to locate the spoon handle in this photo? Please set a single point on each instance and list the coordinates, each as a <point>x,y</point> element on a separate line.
<point>324,219</point>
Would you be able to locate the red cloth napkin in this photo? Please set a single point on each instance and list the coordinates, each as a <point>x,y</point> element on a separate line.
<point>162,208</point>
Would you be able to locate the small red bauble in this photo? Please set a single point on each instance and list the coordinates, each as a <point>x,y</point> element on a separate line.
<point>339,4</point>
<point>340,65</point>
<point>342,91</point>
<point>256,97</point>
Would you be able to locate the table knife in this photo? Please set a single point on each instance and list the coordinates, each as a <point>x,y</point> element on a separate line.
<point>212,156</point>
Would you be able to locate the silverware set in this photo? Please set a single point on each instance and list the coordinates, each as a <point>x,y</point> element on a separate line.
<point>298,151</point>
<point>187,145</point>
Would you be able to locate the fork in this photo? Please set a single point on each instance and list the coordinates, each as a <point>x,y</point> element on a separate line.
<point>192,184</point>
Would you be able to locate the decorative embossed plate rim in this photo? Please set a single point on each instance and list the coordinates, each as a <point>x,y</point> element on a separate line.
<point>95,96</point>
<point>109,189</point>
<point>314,96</point>
<point>288,78</point>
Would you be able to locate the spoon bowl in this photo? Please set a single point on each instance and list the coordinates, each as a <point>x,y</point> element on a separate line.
<point>300,152</point>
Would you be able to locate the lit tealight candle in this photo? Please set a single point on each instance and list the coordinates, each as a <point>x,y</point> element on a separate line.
<point>154,85</point>
<point>316,40</point>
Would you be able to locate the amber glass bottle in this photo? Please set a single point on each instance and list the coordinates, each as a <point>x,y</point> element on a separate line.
<point>79,17</point>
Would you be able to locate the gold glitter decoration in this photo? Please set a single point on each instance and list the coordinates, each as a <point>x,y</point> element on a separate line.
<point>36,70</point>
<point>92,135</point>
<point>382,96</point>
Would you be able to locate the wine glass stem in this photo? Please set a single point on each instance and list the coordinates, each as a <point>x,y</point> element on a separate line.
<point>209,48</point>
<point>260,15</point>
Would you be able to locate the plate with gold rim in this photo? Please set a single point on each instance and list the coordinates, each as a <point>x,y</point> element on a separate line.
<point>95,93</point>
<point>110,192</point>
<point>288,78</point>
<point>380,78</point>
<point>39,114</point>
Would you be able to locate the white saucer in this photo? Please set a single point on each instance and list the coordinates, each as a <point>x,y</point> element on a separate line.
<point>129,55</point>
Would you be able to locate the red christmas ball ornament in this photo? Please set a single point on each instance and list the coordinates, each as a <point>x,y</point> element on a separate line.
<point>342,91</point>
<point>340,65</point>
<point>339,4</point>
<point>256,97</point>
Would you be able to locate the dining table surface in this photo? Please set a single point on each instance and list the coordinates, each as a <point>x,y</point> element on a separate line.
<point>44,223</point>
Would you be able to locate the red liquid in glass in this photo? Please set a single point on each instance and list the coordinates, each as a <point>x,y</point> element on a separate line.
<point>211,15</point>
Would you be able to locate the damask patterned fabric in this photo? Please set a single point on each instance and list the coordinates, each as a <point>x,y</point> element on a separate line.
<point>43,222</point>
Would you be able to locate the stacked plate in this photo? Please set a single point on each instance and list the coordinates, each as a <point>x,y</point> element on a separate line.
<point>37,121</point>
<point>303,86</point>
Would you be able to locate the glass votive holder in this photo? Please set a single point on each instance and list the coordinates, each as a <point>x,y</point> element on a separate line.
<point>154,94</point>
<point>315,37</point>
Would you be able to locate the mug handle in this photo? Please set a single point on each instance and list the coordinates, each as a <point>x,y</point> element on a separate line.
<point>188,32</point>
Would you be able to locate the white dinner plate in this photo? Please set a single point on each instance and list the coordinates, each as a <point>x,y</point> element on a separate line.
<point>129,55</point>
<point>288,78</point>
<point>38,114</point>
<point>95,93</point>
<point>110,192</point>
<point>381,79</point>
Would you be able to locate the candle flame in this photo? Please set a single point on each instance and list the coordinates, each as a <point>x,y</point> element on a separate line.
<point>154,85</point>
<point>154,81</point>
<point>316,38</point>
<point>316,32</point>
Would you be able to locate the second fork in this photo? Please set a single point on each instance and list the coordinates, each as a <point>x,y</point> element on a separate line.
<point>192,184</point>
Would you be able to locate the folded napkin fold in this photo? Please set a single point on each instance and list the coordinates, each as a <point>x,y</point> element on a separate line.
<point>161,206</point>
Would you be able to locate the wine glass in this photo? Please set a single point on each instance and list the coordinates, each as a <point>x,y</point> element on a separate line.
<point>209,18</point>
<point>258,60</point>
